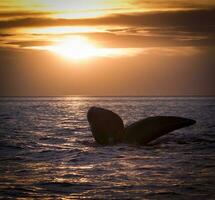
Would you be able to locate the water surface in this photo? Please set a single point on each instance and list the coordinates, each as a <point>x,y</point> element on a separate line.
<point>47,151</point>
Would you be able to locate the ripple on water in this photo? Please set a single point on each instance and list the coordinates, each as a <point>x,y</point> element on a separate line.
<point>47,151</point>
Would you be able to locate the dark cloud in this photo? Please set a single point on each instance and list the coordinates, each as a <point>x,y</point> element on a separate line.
<point>153,29</point>
<point>176,3</point>
<point>30,43</point>
<point>151,40</point>
<point>206,18</point>
<point>12,14</point>
<point>128,40</point>
<point>178,26</point>
<point>5,35</point>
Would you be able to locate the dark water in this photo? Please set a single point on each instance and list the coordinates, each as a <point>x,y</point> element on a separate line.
<point>46,150</point>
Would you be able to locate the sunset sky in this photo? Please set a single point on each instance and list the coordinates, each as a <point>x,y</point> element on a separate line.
<point>107,47</point>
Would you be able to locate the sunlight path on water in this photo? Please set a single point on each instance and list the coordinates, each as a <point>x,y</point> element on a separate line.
<point>47,150</point>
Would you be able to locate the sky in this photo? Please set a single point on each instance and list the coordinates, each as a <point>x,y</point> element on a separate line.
<point>107,47</point>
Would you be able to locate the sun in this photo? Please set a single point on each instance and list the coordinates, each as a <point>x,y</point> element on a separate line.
<point>80,48</point>
<point>75,48</point>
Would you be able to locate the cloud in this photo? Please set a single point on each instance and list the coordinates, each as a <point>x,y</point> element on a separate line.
<point>180,19</point>
<point>115,40</point>
<point>5,35</point>
<point>175,4</point>
<point>159,19</point>
<point>151,29</point>
<point>30,43</point>
<point>18,14</point>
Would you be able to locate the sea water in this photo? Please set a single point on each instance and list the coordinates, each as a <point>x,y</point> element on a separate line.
<point>47,150</point>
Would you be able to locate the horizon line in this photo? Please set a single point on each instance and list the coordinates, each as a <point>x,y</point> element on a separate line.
<point>17,96</point>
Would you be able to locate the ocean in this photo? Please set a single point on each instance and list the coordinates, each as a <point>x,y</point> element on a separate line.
<point>47,150</point>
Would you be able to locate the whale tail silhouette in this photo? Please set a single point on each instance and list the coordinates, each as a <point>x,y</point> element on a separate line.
<point>149,129</point>
<point>107,127</point>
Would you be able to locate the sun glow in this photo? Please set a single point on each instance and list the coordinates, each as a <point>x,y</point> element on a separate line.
<point>80,48</point>
<point>75,48</point>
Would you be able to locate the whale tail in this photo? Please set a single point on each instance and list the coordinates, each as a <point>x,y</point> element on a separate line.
<point>107,127</point>
<point>149,129</point>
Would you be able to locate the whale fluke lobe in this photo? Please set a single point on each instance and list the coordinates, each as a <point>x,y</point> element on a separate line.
<point>149,129</point>
<point>106,126</point>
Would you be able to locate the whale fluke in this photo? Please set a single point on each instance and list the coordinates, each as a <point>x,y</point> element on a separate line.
<point>107,127</point>
<point>148,129</point>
